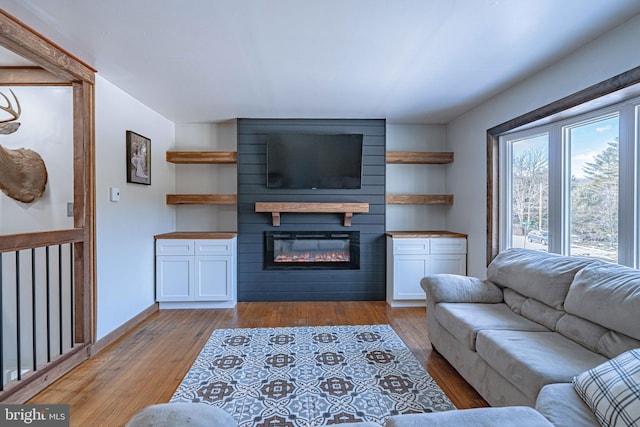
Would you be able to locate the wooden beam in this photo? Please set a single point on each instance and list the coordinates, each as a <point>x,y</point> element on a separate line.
<point>17,242</point>
<point>84,210</point>
<point>29,76</point>
<point>276,208</point>
<point>303,207</point>
<point>17,37</point>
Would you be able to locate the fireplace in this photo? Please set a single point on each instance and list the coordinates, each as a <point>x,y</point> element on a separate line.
<point>324,250</point>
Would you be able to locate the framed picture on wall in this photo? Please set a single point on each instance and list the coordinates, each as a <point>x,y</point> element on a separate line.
<point>138,159</point>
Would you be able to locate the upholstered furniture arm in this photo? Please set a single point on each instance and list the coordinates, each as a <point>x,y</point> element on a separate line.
<point>456,288</point>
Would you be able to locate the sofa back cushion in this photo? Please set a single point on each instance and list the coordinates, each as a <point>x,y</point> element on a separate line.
<point>532,309</point>
<point>609,295</point>
<point>588,334</point>
<point>539,275</point>
<point>585,333</point>
<point>614,343</point>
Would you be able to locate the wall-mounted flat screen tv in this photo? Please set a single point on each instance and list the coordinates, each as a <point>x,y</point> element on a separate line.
<point>314,161</point>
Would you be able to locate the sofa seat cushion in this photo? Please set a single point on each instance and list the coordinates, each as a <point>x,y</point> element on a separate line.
<point>531,360</point>
<point>561,405</point>
<point>513,416</point>
<point>465,320</point>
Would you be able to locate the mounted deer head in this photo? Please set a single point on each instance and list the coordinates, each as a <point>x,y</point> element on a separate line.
<point>23,174</point>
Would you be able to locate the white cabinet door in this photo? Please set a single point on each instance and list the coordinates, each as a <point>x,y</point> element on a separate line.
<point>451,264</point>
<point>213,278</point>
<point>174,277</point>
<point>408,271</point>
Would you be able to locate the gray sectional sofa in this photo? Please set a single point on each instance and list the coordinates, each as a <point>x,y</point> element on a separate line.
<point>522,335</point>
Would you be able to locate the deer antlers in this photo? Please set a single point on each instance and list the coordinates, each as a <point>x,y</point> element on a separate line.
<point>23,174</point>
<point>8,126</point>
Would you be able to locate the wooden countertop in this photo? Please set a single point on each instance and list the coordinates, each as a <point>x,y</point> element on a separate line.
<point>231,234</point>
<point>424,234</point>
<point>196,235</point>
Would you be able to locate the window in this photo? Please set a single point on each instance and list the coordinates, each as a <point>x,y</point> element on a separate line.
<point>570,186</point>
<point>593,160</point>
<point>528,192</point>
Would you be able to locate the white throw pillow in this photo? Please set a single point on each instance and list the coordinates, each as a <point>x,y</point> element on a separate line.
<point>612,390</point>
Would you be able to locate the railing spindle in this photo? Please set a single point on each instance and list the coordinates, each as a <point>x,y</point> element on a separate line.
<point>72,295</point>
<point>1,330</point>
<point>48,317</point>
<point>34,318</point>
<point>18,335</point>
<point>60,320</point>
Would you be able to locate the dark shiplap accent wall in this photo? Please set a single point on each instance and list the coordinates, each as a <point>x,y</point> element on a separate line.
<point>257,284</point>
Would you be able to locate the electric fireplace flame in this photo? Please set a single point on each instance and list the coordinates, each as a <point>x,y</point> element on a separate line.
<point>314,257</point>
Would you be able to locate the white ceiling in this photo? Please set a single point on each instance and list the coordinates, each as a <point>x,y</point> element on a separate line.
<point>409,61</point>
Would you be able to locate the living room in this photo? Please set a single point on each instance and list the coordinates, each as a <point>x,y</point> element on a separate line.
<point>124,229</point>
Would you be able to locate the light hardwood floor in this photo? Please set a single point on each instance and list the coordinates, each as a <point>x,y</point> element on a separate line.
<point>147,364</point>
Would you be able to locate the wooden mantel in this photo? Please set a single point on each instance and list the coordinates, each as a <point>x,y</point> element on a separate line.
<point>276,208</point>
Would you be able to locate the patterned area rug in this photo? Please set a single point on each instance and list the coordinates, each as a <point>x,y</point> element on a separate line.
<point>310,376</point>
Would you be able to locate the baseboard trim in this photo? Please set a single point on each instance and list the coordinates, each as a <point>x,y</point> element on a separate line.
<point>117,333</point>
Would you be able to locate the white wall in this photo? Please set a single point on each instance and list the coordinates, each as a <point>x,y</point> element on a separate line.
<point>125,229</point>
<point>46,127</point>
<point>605,57</point>
<point>206,179</point>
<point>415,179</point>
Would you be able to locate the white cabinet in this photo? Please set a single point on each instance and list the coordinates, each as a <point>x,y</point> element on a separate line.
<point>174,278</point>
<point>409,259</point>
<point>196,273</point>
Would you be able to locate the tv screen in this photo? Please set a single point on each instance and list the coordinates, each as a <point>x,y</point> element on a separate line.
<point>314,161</point>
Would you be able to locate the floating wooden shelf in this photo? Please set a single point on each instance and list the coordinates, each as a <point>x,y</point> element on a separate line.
<point>202,199</point>
<point>420,199</point>
<point>419,157</point>
<point>275,208</point>
<point>202,157</point>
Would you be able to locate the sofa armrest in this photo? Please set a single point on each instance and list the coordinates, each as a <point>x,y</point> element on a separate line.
<point>456,288</point>
<point>182,414</point>
<point>508,416</point>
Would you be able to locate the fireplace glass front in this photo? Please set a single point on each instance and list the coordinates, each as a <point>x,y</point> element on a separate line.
<point>312,250</point>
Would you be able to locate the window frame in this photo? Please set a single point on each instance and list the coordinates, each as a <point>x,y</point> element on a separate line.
<point>611,91</point>
<point>559,178</point>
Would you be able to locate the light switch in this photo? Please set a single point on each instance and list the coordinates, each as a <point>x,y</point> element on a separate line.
<point>114,194</point>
